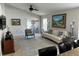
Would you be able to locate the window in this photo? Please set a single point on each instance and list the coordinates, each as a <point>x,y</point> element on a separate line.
<point>45,24</point>
<point>29,24</point>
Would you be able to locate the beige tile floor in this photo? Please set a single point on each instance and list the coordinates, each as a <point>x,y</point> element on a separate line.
<point>29,47</point>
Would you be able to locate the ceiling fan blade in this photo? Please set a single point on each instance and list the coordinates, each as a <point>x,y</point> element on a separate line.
<point>36,9</point>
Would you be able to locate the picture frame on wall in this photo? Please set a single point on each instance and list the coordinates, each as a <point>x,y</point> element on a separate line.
<point>59,21</point>
<point>15,22</point>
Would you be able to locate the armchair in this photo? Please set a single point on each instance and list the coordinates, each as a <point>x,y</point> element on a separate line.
<point>29,32</point>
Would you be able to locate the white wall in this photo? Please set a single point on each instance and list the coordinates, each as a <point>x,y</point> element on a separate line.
<point>72,14</point>
<point>2,9</point>
<point>13,13</point>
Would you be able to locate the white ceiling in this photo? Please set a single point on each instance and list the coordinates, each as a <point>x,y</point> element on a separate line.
<point>45,8</point>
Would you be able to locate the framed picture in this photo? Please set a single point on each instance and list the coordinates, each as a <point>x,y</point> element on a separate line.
<point>59,21</point>
<point>15,22</point>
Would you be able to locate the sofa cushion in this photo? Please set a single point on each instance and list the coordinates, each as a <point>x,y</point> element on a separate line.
<point>55,32</point>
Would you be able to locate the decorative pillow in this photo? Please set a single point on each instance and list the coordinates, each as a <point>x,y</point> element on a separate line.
<point>60,33</point>
<point>65,33</point>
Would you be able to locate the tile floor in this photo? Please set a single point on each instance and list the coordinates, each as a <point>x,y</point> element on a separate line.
<point>29,47</point>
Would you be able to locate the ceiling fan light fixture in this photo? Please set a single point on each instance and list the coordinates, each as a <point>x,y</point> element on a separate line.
<point>31,8</point>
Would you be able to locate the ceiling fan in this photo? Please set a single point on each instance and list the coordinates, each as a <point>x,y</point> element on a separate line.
<point>31,8</point>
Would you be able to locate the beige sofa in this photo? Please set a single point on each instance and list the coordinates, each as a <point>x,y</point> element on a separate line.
<point>52,37</point>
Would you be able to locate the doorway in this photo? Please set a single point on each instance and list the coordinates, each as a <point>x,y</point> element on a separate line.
<point>34,25</point>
